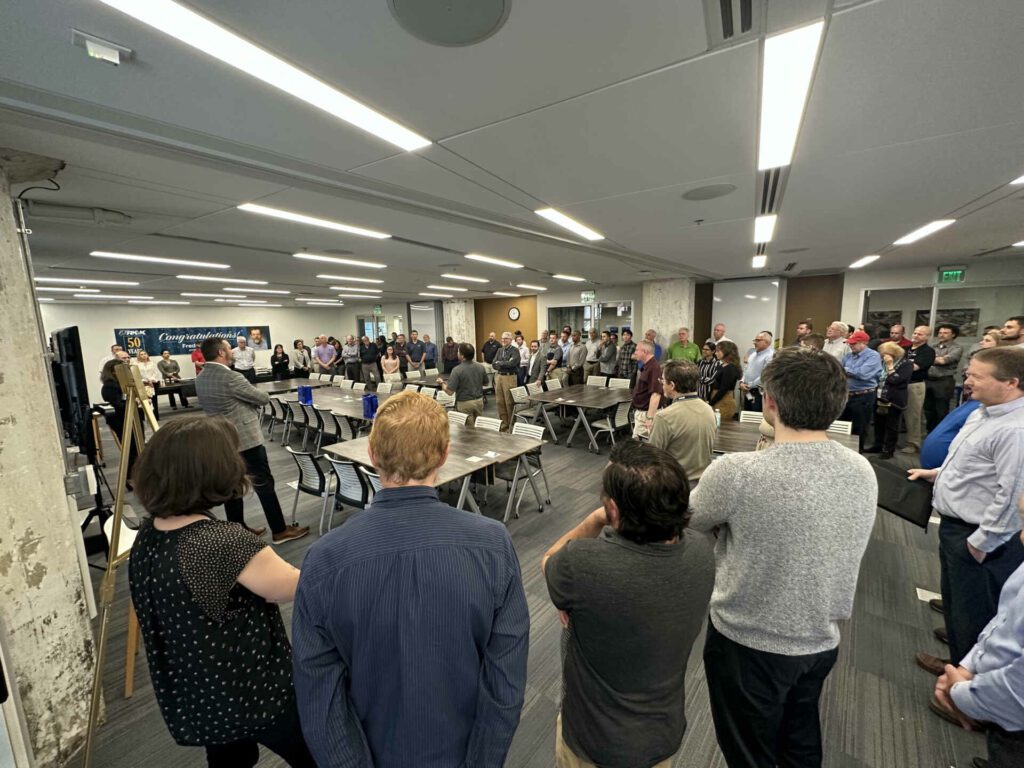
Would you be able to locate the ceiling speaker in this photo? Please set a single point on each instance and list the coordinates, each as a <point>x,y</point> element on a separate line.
<point>450,22</point>
<point>709,192</point>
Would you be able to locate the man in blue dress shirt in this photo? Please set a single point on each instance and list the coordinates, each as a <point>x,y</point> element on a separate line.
<point>757,359</point>
<point>410,629</point>
<point>863,372</point>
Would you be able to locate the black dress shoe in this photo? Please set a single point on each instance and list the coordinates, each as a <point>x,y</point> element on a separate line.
<point>873,449</point>
<point>979,762</point>
<point>885,455</point>
<point>936,605</point>
<point>931,664</point>
<point>940,634</point>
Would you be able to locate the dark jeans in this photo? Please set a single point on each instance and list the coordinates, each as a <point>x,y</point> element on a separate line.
<point>765,705</point>
<point>263,483</point>
<point>937,394</point>
<point>521,376</point>
<point>250,374</point>
<point>755,404</point>
<point>574,377</point>
<point>887,428</point>
<point>1005,748</point>
<point>449,365</point>
<point>970,590</point>
<point>352,371</point>
<point>860,410</point>
<point>284,737</point>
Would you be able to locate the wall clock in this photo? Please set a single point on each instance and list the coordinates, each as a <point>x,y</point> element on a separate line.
<point>513,313</point>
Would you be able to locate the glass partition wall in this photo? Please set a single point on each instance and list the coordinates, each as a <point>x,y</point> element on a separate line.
<point>602,316</point>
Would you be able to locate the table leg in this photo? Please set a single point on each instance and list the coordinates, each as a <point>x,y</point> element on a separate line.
<point>465,497</point>
<point>590,433</point>
<point>512,490</point>
<point>575,425</point>
<point>551,428</point>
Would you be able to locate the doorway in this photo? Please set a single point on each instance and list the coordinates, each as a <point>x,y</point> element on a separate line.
<point>371,326</point>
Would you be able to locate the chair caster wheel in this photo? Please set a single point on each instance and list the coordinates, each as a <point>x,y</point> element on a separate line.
<point>547,501</point>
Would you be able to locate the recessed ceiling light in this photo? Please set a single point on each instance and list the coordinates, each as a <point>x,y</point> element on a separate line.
<point>158,260</point>
<point>448,288</point>
<point>355,289</point>
<point>363,296</point>
<point>216,41</point>
<point>775,283</point>
<point>467,278</point>
<point>108,296</point>
<point>325,304</point>
<point>758,262</point>
<point>749,296</point>
<point>218,279</point>
<point>864,261</point>
<point>82,282</point>
<point>351,279</point>
<point>504,293</point>
<point>257,290</point>
<point>923,232</point>
<point>210,296</point>
<point>313,221</point>
<point>54,289</point>
<point>572,225</point>
<point>765,298</point>
<point>1018,181</point>
<point>1019,245</point>
<point>161,301</point>
<point>260,306</point>
<point>570,278</point>
<point>494,261</point>
<point>324,299</point>
<point>764,228</point>
<point>339,260</point>
<point>531,287</point>
<point>241,299</point>
<point>785,83</point>
<point>438,295</point>
<point>717,298</point>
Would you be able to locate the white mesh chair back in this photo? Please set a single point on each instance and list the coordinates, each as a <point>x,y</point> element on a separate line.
<point>344,383</point>
<point>432,372</point>
<point>618,383</point>
<point>536,431</point>
<point>311,477</point>
<point>372,478</point>
<point>448,401</point>
<point>488,368</point>
<point>841,428</point>
<point>319,376</point>
<point>519,395</point>
<point>392,377</point>
<point>486,422</point>
<point>298,416</point>
<point>622,415</point>
<point>351,489</point>
<point>384,388</point>
<point>313,417</point>
<point>553,384</point>
<point>598,381</point>
<point>751,417</point>
<point>414,373</point>
<point>534,388</point>
<point>454,417</point>
<point>359,386</point>
<point>411,388</point>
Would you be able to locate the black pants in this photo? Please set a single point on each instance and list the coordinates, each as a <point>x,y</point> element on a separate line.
<point>860,410</point>
<point>283,737</point>
<point>970,590</point>
<point>752,400</point>
<point>249,373</point>
<point>299,373</point>
<point>765,705</point>
<point>170,396</point>
<point>1005,748</point>
<point>352,371</point>
<point>449,365</point>
<point>937,394</point>
<point>887,427</point>
<point>263,483</point>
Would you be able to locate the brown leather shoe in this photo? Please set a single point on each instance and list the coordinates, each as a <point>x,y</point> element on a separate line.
<point>929,663</point>
<point>940,635</point>
<point>936,605</point>
<point>290,533</point>
<point>258,531</point>
<point>949,717</point>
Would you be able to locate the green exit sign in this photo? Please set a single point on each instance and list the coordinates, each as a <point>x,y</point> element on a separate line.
<point>952,275</point>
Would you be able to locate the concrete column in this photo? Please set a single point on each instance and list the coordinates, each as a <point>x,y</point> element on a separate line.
<point>459,320</point>
<point>667,306</point>
<point>42,598</point>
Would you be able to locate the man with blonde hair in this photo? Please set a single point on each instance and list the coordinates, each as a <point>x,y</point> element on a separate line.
<point>410,629</point>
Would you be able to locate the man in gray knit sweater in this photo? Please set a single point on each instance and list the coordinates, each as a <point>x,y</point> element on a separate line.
<point>790,542</point>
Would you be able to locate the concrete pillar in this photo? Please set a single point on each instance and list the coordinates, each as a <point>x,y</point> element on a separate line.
<point>42,597</point>
<point>667,306</point>
<point>459,320</point>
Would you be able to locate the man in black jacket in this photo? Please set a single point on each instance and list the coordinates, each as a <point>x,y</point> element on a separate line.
<point>490,348</point>
<point>368,357</point>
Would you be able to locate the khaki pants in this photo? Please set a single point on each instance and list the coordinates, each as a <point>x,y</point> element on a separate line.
<point>591,369</point>
<point>558,373</point>
<point>503,385</point>
<point>913,413</point>
<point>472,409</point>
<point>640,430</point>
<point>566,758</point>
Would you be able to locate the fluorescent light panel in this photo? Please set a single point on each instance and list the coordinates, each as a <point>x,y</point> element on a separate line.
<point>504,293</point>
<point>531,287</point>
<point>864,261</point>
<point>54,289</point>
<point>1018,181</point>
<point>216,279</point>
<point>82,282</point>
<point>158,260</point>
<point>347,278</point>
<point>216,41</point>
<point>257,290</point>
<point>306,298</point>
<point>260,306</point>
<point>363,296</point>
<point>144,301</point>
<point>339,260</point>
<point>572,225</point>
<point>466,278</point>
<point>923,232</point>
<point>355,289</point>
<point>438,295</point>
<point>448,288</point>
<point>494,261</point>
<point>571,278</point>
<point>1019,245</point>
<point>764,228</point>
<point>44,298</point>
<point>210,296</point>
<point>786,81</point>
<point>758,262</point>
<point>325,304</point>
<point>108,296</point>
<point>242,299</point>
<point>313,221</point>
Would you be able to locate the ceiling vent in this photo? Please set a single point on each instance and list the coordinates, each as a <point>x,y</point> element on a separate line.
<point>770,186</point>
<point>789,267</point>
<point>731,20</point>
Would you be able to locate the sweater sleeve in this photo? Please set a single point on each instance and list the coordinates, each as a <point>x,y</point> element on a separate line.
<point>725,382</point>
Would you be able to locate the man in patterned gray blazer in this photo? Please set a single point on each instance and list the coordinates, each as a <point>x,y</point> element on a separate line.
<point>223,392</point>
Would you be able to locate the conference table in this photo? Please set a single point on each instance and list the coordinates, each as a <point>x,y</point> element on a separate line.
<point>582,398</point>
<point>470,449</point>
<point>288,385</point>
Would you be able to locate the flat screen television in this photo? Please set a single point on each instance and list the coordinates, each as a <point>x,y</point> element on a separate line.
<point>70,386</point>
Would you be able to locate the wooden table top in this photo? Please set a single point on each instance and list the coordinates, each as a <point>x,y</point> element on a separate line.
<point>736,437</point>
<point>583,396</point>
<point>466,442</point>
<point>345,402</point>
<point>288,385</point>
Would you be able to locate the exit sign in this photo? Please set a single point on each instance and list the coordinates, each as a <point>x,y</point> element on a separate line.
<point>588,297</point>
<point>952,274</point>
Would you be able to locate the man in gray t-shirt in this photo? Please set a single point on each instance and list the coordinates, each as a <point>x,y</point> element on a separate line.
<point>466,382</point>
<point>632,584</point>
<point>790,542</point>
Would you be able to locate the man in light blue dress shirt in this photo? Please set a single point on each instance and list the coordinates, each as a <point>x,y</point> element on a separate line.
<point>863,372</point>
<point>758,358</point>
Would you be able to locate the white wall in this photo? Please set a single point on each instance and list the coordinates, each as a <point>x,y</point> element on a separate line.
<point>744,317</point>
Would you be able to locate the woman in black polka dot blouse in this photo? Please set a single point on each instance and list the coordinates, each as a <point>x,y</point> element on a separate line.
<point>205,592</point>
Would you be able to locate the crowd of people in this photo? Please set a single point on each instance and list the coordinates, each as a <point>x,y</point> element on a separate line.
<point>410,631</point>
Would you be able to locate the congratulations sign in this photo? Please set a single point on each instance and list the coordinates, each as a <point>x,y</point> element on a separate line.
<point>181,341</point>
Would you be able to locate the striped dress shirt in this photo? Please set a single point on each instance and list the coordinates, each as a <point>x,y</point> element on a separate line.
<point>410,634</point>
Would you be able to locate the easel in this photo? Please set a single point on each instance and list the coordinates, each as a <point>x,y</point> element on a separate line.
<point>134,398</point>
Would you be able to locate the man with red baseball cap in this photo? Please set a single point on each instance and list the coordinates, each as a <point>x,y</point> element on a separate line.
<point>863,370</point>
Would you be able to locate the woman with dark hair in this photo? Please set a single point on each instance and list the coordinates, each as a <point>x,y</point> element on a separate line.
<point>708,367</point>
<point>390,362</point>
<point>723,398</point>
<point>114,397</point>
<point>279,363</point>
<point>301,361</point>
<point>893,401</point>
<point>205,592</point>
<point>450,354</point>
